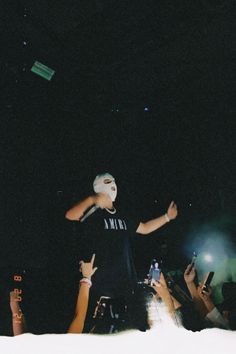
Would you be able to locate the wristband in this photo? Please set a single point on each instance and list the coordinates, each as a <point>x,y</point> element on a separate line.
<point>167,217</point>
<point>86,280</point>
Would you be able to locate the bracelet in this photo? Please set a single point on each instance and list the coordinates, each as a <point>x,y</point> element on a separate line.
<point>86,280</point>
<point>167,217</point>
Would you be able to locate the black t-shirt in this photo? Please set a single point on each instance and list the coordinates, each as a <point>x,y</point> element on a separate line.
<point>110,237</point>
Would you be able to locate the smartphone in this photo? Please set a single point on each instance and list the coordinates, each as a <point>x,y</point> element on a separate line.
<point>207,281</point>
<point>154,272</point>
<point>192,264</point>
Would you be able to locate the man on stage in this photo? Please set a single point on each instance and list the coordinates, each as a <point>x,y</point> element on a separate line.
<point>108,233</point>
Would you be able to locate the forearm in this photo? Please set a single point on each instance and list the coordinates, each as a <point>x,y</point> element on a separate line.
<point>77,324</point>
<point>152,225</point>
<point>193,290</point>
<point>78,210</point>
<point>209,305</point>
<point>176,303</point>
<point>169,303</point>
<point>197,301</point>
<point>18,323</point>
<point>216,318</point>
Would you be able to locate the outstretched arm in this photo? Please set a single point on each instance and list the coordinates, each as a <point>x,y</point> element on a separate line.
<point>189,276</point>
<point>77,325</point>
<point>213,314</point>
<point>154,224</point>
<point>77,211</point>
<point>18,319</point>
<point>162,290</point>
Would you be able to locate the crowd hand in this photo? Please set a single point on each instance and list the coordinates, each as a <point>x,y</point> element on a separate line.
<point>189,274</point>
<point>160,287</point>
<point>103,200</point>
<point>14,303</point>
<point>172,211</point>
<point>87,268</point>
<point>204,295</point>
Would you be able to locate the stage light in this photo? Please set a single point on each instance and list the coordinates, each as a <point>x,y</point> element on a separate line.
<point>208,258</point>
<point>216,252</point>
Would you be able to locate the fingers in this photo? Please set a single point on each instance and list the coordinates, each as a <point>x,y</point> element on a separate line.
<point>103,200</point>
<point>12,295</point>
<point>155,285</point>
<point>172,210</point>
<point>86,268</point>
<point>189,269</point>
<point>81,263</point>
<point>162,276</point>
<point>173,205</point>
<point>94,269</point>
<point>162,280</point>
<point>188,266</point>
<point>159,283</point>
<point>92,259</point>
<point>201,289</point>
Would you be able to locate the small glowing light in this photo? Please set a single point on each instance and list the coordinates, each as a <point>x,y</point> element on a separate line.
<point>24,42</point>
<point>146,109</point>
<point>208,258</point>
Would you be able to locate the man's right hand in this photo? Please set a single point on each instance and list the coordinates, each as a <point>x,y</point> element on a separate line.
<point>103,200</point>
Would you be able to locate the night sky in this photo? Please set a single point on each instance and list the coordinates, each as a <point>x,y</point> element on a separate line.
<point>143,90</point>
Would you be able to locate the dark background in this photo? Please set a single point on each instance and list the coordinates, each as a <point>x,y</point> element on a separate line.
<point>143,90</point>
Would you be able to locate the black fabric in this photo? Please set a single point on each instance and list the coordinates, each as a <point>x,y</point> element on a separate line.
<point>110,237</point>
<point>119,314</point>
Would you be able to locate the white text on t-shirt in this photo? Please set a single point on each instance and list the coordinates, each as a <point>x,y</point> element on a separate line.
<point>114,224</point>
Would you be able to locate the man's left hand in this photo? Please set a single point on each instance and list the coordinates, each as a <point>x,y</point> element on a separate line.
<point>172,211</point>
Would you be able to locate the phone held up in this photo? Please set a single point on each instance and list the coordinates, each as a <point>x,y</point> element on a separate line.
<point>192,264</point>
<point>154,272</point>
<point>207,281</point>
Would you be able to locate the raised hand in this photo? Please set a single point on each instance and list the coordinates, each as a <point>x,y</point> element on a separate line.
<point>160,286</point>
<point>87,268</point>
<point>172,211</point>
<point>204,295</point>
<point>103,200</point>
<point>189,274</point>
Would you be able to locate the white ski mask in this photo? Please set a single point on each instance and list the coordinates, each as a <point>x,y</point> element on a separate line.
<point>105,183</point>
